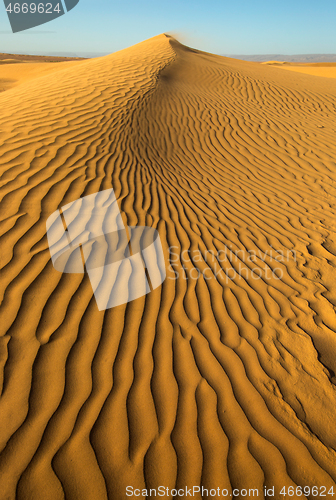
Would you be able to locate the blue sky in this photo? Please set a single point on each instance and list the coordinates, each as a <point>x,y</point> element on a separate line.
<point>218,26</point>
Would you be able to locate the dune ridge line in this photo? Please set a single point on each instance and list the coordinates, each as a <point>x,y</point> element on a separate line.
<point>218,382</point>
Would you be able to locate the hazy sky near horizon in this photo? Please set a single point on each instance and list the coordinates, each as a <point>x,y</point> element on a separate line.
<point>219,26</point>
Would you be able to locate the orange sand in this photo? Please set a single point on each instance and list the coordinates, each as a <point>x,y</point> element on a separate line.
<point>13,72</point>
<point>221,382</point>
<point>328,70</point>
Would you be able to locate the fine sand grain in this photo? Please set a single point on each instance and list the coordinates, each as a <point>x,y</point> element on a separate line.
<point>328,70</point>
<point>222,381</point>
<point>14,72</point>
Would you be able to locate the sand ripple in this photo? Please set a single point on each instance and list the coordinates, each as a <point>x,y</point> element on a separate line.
<point>223,382</point>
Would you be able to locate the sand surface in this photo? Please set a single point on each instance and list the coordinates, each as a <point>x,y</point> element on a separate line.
<point>222,381</point>
<point>13,72</point>
<point>31,58</point>
<point>328,70</point>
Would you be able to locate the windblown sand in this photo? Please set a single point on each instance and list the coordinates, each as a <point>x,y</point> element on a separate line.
<point>13,72</point>
<point>222,381</point>
<point>327,70</point>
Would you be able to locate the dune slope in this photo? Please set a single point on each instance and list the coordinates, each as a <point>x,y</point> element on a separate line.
<point>327,70</point>
<point>223,377</point>
<point>14,72</point>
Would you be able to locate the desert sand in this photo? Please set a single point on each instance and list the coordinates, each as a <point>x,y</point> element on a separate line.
<point>224,377</point>
<point>13,72</point>
<point>327,70</point>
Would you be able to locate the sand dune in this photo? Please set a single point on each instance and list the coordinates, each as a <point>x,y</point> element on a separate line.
<point>224,381</point>
<point>327,70</point>
<point>14,72</point>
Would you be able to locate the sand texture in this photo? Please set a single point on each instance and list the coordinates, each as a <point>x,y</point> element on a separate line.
<point>14,72</point>
<point>327,70</point>
<point>224,381</point>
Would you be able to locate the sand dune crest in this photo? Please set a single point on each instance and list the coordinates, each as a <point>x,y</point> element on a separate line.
<point>224,381</point>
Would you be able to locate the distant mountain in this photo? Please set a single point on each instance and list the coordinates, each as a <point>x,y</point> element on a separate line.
<point>303,58</point>
<point>52,57</point>
<point>39,58</point>
<point>82,55</point>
